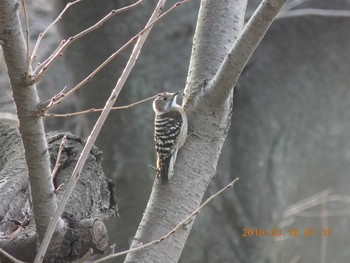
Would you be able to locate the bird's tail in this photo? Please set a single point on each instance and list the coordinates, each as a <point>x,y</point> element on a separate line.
<point>166,169</point>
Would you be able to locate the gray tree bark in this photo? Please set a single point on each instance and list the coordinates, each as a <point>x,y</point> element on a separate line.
<point>288,141</point>
<point>30,123</point>
<point>92,201</point>
<point>208,102</point>
<point>127,138</point>
<point>26,210</point>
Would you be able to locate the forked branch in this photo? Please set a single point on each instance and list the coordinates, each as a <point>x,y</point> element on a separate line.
<point>37,75</point>
<point>64,96</point>
<point>92,138</point>
<point>42,34</point>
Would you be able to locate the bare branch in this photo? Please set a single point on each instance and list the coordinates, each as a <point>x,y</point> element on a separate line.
<point>111,57</point>
<point>313,12</point>
<point>243,48</point>
<point>306,203</point>
<point>58,164</point>
<point>291,4</point>
<point>46,60</point>
<point>24,6</point>
<point>98,110</point>
<point>299,208</point>
<point>70,40</point>
<point>183,223</point>
<point>288,6</point>
<point>42,34</point>
<point>85,152</point>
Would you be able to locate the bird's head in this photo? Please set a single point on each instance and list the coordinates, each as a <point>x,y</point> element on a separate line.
<point>164,102</point>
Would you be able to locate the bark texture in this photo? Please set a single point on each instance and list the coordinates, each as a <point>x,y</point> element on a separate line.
<point>288,141</point>
<point>30,124</point>
<point>209,123</point>
<point>127,137</point>
<point>93,198</point>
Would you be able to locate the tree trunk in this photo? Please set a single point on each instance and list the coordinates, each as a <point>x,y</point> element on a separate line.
<point>93,199</point>
<point>209,123</point>
<point>126,140</point>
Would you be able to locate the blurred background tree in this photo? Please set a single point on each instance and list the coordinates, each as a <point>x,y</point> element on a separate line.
<point>288,141</point>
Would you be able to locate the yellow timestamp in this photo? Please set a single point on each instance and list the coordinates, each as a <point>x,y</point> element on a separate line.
<point>291,232</point>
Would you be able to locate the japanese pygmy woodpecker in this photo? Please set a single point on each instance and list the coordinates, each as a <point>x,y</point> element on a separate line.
<point>170,133</point>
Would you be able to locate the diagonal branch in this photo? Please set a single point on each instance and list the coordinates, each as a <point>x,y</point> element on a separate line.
<point>41,35</point>
<point>45,107</point>
<point>243,48</point>
<point>129,106</point>
<point>313,12</point>
<point>183,223</point>
<point>92,138</point>
<point>58,164</point>
<point>70,40</point>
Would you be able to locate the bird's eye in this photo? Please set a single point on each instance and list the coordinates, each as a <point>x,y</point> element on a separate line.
<point>165,98</point>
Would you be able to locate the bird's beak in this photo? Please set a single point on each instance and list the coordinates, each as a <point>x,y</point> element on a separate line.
<point>176,93</point>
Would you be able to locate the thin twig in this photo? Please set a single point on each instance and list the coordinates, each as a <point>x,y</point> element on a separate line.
<point>288,6</point>
<point>314,12</point>
<point>306,203</point>
<point>292,4</point>
<point>111,57</point>
<point>65,115</point>
<point>47,104</point>
<point>112,248</point>
<point>93,135</point>
<point>27,38</point>
<point>7,255</point>
<point>42,34</point>
<point>183,223</point>
<point>70,40</point>
<point>46,60</point>
<point>58,164</point>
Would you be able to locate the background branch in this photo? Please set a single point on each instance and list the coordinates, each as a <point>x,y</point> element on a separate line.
<point>65,115</point>
<point>84,154</point>
<point>42,34</point>
<point>71,39</point>
<point>111,57</point>
<point>313,12</point>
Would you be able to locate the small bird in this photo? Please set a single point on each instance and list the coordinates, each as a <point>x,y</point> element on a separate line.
<point>170,133</point>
